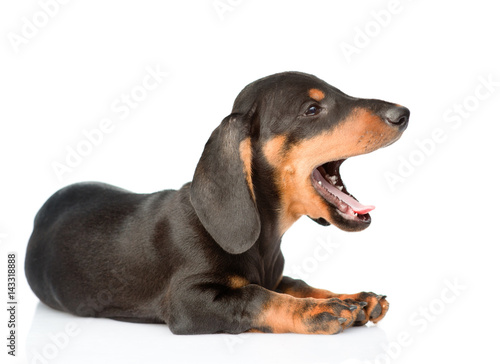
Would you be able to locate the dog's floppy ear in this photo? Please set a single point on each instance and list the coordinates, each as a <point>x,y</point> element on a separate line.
<point>222,192</point>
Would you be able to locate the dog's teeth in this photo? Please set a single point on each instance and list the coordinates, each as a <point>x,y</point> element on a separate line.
<point>320,183</point>
<point>334,180</point>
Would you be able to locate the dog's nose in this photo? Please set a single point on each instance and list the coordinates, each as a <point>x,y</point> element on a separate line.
<point>397,116</point>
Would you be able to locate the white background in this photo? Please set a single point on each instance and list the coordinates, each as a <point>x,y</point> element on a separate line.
<point>434,229</point>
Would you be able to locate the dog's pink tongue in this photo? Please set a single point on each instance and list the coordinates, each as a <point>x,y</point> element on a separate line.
<point>356,206</point>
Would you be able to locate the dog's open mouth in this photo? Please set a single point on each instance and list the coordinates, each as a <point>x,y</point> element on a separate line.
<point>326,180</point>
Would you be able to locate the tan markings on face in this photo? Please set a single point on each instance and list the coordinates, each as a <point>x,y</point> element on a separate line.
<point>273,150</point>
<point>316,94</point>
<point>238,282</point>
<point>361,132</point>
<point>246,158</point>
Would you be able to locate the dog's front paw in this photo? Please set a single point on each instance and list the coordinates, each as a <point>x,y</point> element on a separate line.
<point>375,307</point>
<point>329,316</point>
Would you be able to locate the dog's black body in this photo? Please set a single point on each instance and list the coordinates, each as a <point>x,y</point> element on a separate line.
<point>207,258</point>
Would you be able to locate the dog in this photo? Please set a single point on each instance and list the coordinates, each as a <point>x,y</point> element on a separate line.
<point>206,258</point>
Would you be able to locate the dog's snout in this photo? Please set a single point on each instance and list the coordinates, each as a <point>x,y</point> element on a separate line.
<point>397,116</point>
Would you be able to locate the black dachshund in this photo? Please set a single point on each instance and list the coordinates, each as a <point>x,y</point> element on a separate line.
<point>207,258</point>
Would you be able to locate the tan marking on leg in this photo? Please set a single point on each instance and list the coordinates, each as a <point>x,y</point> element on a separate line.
<point>277,315</point>
<point>284,313</point>
<point>301,289</point>
<point>256,331</point>
<point>310,293</point>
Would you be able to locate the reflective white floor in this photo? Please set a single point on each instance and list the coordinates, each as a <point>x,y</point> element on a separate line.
<point>57,337</point>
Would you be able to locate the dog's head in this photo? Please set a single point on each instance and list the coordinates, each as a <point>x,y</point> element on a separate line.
<point>288,133</point>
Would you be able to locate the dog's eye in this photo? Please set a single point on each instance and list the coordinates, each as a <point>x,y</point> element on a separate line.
<point>313,110</point>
